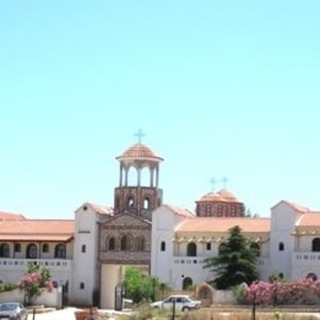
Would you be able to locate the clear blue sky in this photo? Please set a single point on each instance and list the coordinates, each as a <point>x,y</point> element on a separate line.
<point>221,88</point>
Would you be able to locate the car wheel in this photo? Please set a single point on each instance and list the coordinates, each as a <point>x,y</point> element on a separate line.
<point>185,309</point>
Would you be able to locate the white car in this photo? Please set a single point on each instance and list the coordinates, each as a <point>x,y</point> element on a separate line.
<point>179,302</point>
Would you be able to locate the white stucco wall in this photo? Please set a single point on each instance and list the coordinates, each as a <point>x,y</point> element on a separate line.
<point>283,220</point>
<point>85,263</point>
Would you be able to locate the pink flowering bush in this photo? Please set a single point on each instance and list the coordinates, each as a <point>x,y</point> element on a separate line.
<point>300,291</point>
<point>34,280</point>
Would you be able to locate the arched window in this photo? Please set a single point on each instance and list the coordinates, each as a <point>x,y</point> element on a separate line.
<point>17,247</point>
<point>45,247</point>
<point>191,249</point>
<point>60,251</point>
<point>125,243</point>
<point>163,246</point>
<point>312,276</point>
<point>140,243</point>
<point>112,244</point>
<point>316,244</point>
<point>255,246</point>
<point>186,283</point>
<point>204,293</point>
<point>32,251</point>
<point>281,246</point>
<point>130,202</point>
<point>4,250</point>
<point>146,203</point>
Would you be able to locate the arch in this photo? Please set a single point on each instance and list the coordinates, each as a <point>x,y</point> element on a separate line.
<point>222,247</point>
<point>281,246</point>
<point>163,246</point>
<point>219,211</point>
<point>312,276</point>
<point>132,176</point>
<point>130,203</point>
<point>60,251</point>
<point>191,249</point>
<point>187,283</point>
<point>31,251</point>
<point>316,245</point>
<point>4,250</point>
<point>140,243</point>
<point>204,293</point>
<point>145,177</point>
<point>256,247</point>
<point>111,244</point>
<point>146,205</point>
<point>208,210</point>
<point>45,247</point>
<point>125,243</point>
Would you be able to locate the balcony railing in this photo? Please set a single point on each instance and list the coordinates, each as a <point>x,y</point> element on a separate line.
<point>305,258</point>
<point>188,260</point>
<point>56,264</point>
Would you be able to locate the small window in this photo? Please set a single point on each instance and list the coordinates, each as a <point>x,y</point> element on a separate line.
<point>81,285</point>
<point>281,246</point>
<point>31,251</point>
<point>140,243</point>
<point>83,248</point>
<point>163,246</point>
<point>208,210</point>
<point>60,251</point>
<point>125,243</point>
<point>4,250</point>
<point>208,246</point>
<point>316,245</point>
<point>45,247</point>
<point>112,243</point>
<point>130,202</point>
<point>17,247</point>
<point>146,203</point>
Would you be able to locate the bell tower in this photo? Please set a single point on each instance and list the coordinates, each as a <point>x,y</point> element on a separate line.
<point>138,196</point>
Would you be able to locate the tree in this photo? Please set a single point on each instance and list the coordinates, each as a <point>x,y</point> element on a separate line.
<point>35,279</point>
<point>235,263</point>
<point>139,286</point>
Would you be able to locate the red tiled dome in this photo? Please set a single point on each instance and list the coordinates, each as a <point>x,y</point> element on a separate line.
<point>139,151</point>
<point>211,196</point>
<point>228,196</point>
<point>220,196</point>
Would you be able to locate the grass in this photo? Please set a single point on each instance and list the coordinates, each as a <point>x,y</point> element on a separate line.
<point>145,313</point>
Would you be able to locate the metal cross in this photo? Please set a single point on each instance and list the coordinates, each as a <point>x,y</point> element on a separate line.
<point>224,180</point>
<point>213,181</point>
<point>140,135</point>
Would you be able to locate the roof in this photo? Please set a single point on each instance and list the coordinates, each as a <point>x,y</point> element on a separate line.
<point>11,216</point>
<point>180,211</point>
<point>213,224</point>
<point>221,196</point>
<point>100,209</point>
<point>294,206</point>
<point>36,230</point>
<point>309,220</point>
<point>139,151</point>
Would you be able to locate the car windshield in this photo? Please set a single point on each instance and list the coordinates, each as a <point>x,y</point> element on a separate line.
<point>8,307</point>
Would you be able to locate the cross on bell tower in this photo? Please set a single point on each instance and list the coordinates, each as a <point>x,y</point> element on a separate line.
<point>140,134</point>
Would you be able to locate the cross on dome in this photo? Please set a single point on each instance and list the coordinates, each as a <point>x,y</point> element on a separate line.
<point>140,135</point>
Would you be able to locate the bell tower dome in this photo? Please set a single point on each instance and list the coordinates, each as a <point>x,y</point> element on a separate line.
<point>138,196</point>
